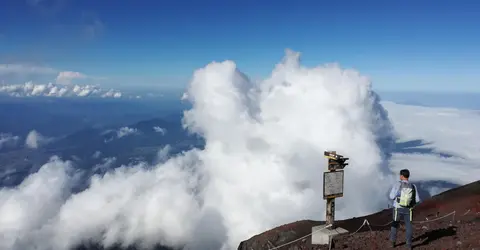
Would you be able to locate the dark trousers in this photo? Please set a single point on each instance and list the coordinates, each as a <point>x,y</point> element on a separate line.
<point>406,215</point>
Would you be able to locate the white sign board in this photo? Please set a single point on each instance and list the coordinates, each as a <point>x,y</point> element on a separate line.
<point>332,184</point>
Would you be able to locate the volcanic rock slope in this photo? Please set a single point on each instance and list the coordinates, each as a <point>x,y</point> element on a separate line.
<point>450,220</point>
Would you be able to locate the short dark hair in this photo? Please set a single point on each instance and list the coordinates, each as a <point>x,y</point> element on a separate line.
<point>405,173</point>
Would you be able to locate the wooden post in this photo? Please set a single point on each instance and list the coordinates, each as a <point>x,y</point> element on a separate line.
<point>335,166</point>
<point>333,180</point>
<point>330,217</point>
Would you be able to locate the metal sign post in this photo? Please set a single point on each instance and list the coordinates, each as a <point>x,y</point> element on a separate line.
<point>332,188</point>
<point>333,183</point>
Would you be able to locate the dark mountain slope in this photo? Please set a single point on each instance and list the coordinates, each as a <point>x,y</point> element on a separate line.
<point>450,220</point>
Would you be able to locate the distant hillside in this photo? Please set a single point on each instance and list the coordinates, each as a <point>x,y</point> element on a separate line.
<point>116,141</point>
<point>61,116</point>
<point>458,229</point>
<point>89,148</point>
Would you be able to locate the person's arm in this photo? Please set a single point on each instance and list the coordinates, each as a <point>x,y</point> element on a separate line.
<point>394,191</point>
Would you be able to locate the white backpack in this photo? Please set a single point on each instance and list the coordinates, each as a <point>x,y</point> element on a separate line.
<point>407,195</point>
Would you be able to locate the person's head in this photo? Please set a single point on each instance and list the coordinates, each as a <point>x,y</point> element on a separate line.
<point>404,174</point>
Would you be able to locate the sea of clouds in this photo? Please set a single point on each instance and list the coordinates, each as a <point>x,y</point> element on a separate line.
<point>262,166</point>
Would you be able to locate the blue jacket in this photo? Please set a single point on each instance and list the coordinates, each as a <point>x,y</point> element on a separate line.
<point>395,192</point>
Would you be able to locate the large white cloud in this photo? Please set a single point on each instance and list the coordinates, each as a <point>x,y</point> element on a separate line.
<point>25,212</point>
<point>262,166</point>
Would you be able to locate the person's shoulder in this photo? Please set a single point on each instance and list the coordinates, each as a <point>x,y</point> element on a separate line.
<point>415,187</point>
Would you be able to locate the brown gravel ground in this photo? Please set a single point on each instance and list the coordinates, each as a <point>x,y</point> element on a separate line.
<point>460,230</point>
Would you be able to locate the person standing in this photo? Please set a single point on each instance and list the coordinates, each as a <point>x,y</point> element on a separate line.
<point>405,196</point>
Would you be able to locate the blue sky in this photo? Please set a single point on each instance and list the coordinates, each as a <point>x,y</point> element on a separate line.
<point>401,45</point>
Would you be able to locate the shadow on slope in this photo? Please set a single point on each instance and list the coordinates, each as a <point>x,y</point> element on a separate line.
<point>436,234</point>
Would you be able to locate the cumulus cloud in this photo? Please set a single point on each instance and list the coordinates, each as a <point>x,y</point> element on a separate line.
<point>22,80</point>
<point>8,140</point>
<point>112,93</point>
<point>30,89</point>
<point>159,130</point>
<point>261,167</point>
<point>112,134</point>
<point>31,205</point>
<point>125,131</point>
<point>35,140</point>
<point>66,77</point>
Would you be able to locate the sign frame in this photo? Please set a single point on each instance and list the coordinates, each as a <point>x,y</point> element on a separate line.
<point>335,195</point>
